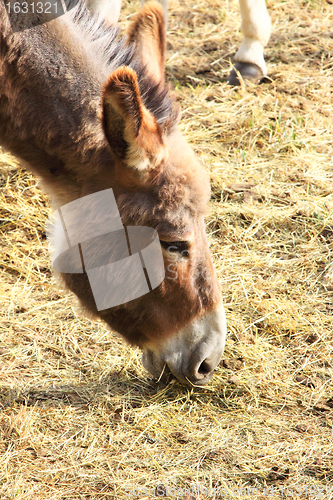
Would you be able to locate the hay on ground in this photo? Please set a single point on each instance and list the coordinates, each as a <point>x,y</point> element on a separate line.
<point>79,416</point>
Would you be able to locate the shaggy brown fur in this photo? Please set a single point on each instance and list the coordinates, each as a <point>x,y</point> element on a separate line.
<point>51,81</point>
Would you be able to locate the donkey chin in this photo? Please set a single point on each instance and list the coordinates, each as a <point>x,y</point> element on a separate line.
<point>192,354</point>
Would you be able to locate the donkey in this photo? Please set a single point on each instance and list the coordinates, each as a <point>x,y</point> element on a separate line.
<point>256,28</point>
<point>87,111</point>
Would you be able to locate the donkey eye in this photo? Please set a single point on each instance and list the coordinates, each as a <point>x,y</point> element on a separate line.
<point>176,246</point>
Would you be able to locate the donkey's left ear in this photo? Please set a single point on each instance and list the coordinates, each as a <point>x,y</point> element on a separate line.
<point>131,130</point>
<point>147,31</point>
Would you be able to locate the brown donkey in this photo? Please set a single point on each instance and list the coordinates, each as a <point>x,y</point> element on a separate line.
<point>87,111</point>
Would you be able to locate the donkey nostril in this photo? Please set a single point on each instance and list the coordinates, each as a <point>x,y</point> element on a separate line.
<point>205,368</point>
<point>199,372</point>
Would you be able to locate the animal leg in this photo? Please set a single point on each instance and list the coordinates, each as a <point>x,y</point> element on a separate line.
<point>256,28</point>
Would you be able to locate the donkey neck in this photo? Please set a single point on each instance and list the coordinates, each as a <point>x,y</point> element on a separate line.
<point>50,84</point>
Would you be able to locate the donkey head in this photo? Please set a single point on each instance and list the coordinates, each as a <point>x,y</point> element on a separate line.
<point>157,182</point>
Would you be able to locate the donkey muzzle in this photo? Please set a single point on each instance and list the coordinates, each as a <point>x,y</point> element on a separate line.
<point>192,354</point>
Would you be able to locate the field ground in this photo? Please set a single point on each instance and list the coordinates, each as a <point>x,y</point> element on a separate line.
<point>79,416</point>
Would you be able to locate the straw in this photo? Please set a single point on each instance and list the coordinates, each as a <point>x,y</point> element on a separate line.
<point>79,416</point>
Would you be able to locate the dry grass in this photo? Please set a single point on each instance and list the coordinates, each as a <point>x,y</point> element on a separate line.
<point>80,419</point>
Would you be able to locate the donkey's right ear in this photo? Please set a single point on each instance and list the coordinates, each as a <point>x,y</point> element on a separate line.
<point>147,31</point>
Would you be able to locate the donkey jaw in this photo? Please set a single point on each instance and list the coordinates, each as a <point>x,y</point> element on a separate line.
<point>192,354</point>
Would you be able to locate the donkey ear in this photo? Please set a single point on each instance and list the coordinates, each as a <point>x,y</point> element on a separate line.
<point>131,130</point>
<point>147,30</point>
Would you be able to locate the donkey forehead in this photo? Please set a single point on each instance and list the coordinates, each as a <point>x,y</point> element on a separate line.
<point>185,171</point>
<point>178,199</point>
<point>168,214</point>
<point>174,197</point>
